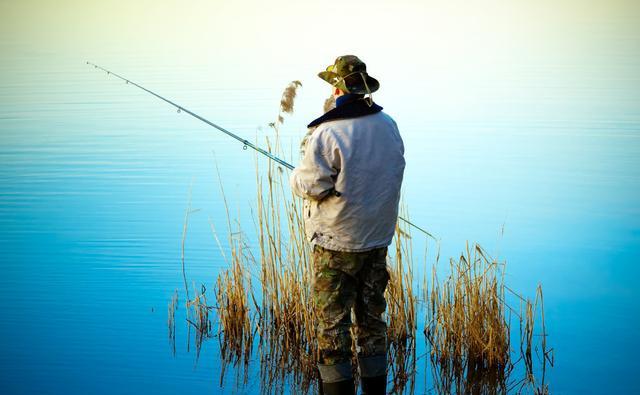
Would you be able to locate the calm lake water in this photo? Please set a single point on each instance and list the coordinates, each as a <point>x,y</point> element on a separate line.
<point>95,178</point>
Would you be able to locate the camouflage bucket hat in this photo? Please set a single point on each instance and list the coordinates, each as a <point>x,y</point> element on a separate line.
<point>349,74</point>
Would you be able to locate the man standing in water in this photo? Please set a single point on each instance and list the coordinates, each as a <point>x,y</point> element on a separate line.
<point>350,178</point>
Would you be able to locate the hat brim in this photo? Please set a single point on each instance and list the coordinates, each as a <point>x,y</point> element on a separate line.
<point>356,83</point>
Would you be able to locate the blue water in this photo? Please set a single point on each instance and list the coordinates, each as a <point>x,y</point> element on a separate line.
<point>95,178</point>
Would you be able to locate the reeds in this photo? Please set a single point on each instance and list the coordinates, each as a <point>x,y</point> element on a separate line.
<point>468,330</point>
<point>402,304</point>
<point>533,354</point>
<point>232,304</point>
<point>197,309</point>
<point>286,328</point>
<point>233,287</point>
<point>467,325</point>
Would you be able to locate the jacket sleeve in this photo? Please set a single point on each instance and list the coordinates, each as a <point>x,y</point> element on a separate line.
<point>315,177</point>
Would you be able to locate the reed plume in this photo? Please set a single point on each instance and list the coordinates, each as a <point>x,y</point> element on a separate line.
<point>286,102</point>
<point>288,97</point>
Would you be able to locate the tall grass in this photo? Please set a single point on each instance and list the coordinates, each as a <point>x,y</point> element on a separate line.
<point>287,317</point>
<point>235,324</point>
<point>533,353</point>
<point>233,288</point>
<point>469,330</point>
<point>467,326</point>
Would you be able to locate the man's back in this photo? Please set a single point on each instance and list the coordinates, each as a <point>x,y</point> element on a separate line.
<point>361,158</point>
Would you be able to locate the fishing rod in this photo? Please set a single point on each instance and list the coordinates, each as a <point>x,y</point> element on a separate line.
<point>246,143</point>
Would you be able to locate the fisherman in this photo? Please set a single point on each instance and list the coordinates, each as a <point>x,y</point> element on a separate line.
<point>350,178</point>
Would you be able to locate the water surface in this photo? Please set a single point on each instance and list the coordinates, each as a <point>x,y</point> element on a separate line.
<point>95,179</point>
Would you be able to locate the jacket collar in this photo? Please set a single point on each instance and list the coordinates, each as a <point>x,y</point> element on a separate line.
<point>350,108</point>
<point>346,98</point>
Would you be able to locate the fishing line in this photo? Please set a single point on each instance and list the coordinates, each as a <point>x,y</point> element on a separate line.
<point>246,143</point>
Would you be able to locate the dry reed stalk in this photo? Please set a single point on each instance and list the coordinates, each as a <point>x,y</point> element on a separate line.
<point>171,321</point>
<point>185,226</point>
<point>234,315</point>
<point>547,354</point>
<point>401,312</point>
<point>469,333</point>
<point>528,346</point>
<point>197,311</point>
<point>287,337</point>
<point>233,287</point>
<point>286,326</point>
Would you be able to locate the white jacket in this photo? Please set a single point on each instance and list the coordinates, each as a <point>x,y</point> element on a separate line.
<point>350,177</point>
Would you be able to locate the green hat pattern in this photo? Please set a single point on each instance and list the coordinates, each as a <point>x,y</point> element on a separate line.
<point>349,74</point>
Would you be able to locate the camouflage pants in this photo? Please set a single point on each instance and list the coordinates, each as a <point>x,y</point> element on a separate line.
<point>344,281</point>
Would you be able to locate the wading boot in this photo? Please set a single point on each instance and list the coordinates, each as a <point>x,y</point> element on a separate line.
<point>345,387</point>
<point>374,385</point>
